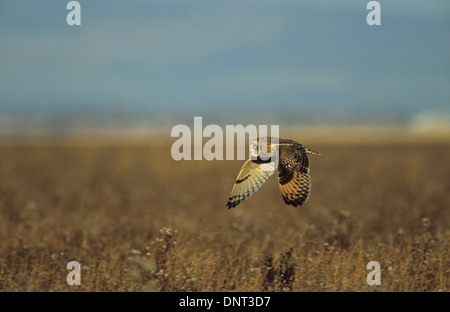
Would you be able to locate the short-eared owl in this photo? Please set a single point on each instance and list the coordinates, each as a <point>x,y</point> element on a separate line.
<point>293,171</point>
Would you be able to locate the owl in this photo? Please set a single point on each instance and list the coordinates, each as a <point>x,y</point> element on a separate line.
<point>268,155</point>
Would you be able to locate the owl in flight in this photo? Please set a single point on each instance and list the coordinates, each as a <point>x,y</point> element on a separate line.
<point>268,155</point>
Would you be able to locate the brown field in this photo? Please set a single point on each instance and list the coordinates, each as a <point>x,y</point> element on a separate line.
<point>136,220</point>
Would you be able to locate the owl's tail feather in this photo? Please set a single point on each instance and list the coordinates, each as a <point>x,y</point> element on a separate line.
<point>309,151</point>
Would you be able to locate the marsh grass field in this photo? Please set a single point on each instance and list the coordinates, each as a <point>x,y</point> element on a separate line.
<point>137,220</point>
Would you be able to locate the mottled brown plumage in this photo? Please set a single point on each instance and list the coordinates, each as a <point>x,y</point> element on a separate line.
<point>293,171</point>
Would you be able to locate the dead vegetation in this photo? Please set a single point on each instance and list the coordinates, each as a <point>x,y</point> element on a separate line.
<point>137,220</point>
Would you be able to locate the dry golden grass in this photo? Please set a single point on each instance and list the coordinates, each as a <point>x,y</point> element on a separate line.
<point>137,220</point>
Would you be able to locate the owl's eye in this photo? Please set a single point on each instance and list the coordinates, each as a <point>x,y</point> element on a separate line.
<point>253,150</point>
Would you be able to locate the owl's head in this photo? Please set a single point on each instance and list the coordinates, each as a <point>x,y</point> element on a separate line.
<point>264,149</point>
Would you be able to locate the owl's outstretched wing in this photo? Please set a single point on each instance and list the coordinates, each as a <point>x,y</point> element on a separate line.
<point>251,177</point>
<point>294,179</point>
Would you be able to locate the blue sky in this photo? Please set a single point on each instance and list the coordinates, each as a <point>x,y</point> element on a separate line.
<point>295,59</point>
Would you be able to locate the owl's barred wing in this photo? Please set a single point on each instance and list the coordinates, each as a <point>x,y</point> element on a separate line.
<point>294,178</point>
<point>251,177</point>
<point>296,191</point>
